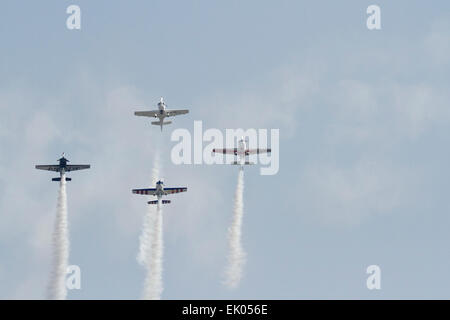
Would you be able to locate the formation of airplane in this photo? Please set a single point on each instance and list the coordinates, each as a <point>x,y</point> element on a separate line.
<point>161,114</point>
<point>62,168</point>
<point>159,191</point>
<point>242,152</point>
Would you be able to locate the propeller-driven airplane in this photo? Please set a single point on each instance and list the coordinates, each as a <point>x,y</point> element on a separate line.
<point>63,167</point>
<point>241,152</point>
<point>161,113</point>
<point>159,191</point>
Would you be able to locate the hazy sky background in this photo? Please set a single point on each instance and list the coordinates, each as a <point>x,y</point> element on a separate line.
<point>364,133</point>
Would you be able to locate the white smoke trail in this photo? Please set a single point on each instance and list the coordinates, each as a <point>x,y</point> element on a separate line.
<point>145,239</point>
<point>57,286</point>
<point>151,245</point>
<point>236,256</point>
<point>153,285</point>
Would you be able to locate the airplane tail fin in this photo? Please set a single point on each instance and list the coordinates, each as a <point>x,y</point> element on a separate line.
<point>157,123</point>
<point>156,202</point>
<point>244,163</point>
<point>59,179</point>
<point>160,123</point>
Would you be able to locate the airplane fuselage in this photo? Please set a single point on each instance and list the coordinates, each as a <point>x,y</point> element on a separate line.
<point>240,151</point>
<point>62,165</point>
<point>159,190</point>
<point>162,110</point>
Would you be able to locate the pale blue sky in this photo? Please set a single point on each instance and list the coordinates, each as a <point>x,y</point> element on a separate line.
<point>364,128</point>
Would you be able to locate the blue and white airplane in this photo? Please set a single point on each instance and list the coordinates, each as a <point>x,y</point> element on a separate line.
<point>161,113</point>
<point>63,167</point>
<point>159,191</point>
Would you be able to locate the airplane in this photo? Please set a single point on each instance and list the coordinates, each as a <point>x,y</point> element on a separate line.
<point>159,191</point>
<point>161,113</point>
<point>63,167</point>
<point>241,151</point>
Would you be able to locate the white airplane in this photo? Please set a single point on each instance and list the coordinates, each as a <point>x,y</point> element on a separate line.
<point>159,191</point>
<point>241,152</point>
<point>161,113</point>
<point>63,167</point>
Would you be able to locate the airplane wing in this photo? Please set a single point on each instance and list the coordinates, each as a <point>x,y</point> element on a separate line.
<point>172,113</point>
<point>75,167</point>
<point>153,113</point>
<point>174,190</point>
<point>48,167</point>
<point>148,191</point>
<point>226,151</point>
<point>257,151</point>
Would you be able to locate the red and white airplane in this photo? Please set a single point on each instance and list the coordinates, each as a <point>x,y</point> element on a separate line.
<point>241,152</point>
<point>159,191</point>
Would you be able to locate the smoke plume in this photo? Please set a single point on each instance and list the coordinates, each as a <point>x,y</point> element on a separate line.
<point>236,256</point>
<point>57,284</point>
<point>150,254</point>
